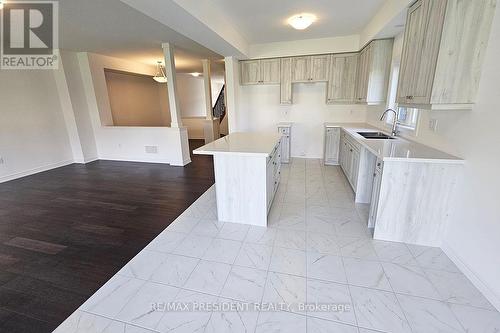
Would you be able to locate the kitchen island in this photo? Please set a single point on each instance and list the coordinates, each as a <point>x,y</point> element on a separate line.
<point>247,173</point>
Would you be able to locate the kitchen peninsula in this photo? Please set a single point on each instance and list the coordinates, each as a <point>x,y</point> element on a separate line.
<point>247,173</point>
<point>409,186</point>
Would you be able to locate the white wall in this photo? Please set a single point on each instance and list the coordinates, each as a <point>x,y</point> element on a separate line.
<point>473,236</point>
<point>136,100</point>
<point>33,135</point>
<point>260,110</point>
<point>191,94</point>
<point>124,143</point>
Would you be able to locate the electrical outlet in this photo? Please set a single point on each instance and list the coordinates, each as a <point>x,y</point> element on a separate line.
<point>433,124</point>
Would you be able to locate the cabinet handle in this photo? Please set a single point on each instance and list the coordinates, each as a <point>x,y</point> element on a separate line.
<point>378,164</point>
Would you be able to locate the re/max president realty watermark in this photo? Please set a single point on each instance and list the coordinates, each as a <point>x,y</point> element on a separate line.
<point>29,34</point>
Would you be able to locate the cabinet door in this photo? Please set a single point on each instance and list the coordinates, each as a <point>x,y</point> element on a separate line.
<point>342,78</point>
<point>301,69</point>
<point>270,71</point>
<point>420,51</point>
<point>377,181</point>
<point>285,144</point>
<point>319,68</point>
<point>332,145</point>
<point>250,72</point>
<point>286,81</point>
<point>362,76</point>
<point>354,168</point>
<point>379,70</point>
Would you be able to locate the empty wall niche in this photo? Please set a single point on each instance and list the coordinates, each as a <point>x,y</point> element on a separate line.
<point>136,99</point>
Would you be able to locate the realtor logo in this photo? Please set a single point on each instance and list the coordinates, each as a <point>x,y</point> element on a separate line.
<point>29,36</point>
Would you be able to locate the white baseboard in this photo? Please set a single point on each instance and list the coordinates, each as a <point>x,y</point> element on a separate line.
<point>141,160</point>
<point>476,281</point>
<point>35,170</point>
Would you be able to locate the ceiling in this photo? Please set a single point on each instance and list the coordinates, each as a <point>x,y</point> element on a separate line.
<point>264,21</point>
<point>112,28</point>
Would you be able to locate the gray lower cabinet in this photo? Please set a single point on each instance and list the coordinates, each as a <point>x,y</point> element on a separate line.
<point>332,145</point>
<point>377,181</point>
<point>285,132</point>
<point>349,159</point>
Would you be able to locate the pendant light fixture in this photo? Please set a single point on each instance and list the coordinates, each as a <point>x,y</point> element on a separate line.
<point>160,76</point>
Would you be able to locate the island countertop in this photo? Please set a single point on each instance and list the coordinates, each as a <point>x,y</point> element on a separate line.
<point>398,149</point>
<point>246,143</point>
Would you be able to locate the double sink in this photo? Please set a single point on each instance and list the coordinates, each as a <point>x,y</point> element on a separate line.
<point>375,136</point>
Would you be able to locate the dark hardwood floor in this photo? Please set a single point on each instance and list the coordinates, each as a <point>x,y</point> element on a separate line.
<point>65,232</point>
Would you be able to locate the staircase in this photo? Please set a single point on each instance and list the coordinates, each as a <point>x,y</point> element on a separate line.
<point>219,109</point>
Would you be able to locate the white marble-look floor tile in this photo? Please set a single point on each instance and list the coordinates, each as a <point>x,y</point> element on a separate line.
<point>222,250</point>
<point>325,267</point>
<point>194,320</point>
<point>291,239</point>
<point>175,270</point>
<point>322,243</point>
<point>360,248</point>
<point>234,231</point>
<point>366,273</point>
<point>83,322</point>
<point>317,325</point>
<point>379,310</point>
<point>113,296</point>
<point>476,320</point>
<point>254,256</point>
<point>281,322</point>
<point>193,246</point>
<point>235,319</point>
<point>288,261</point>
<point>456,288</point>
<point>285,289</point>
<point>397,253</point>
<point>143,264</point>
<point>142,309</point>
<point>208,277</point>
<point>432,257</point>
<point>261,235</point>
<point>293,216</point>
<point>245,284</point>
<point>120,327</point>
<point>353,228</point>
<point>330,293</point>
<point>208,228</point>
<point>429,316</point>
<point>409,280</point>
<point>184,223</point>
<point>166,242</point>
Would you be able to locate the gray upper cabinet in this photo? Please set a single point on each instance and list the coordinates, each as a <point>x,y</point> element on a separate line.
<point>373,74</point>
<point>250,72</point>
<point>420,51</point>
<point>443,51</point>
<point>263,71</point>
<point>286,81</point>
<point>319,68</point>
<point>310,68</point>
<point>341,87</point>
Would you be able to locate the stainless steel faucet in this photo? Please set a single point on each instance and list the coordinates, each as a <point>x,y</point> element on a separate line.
<point>394,123</point>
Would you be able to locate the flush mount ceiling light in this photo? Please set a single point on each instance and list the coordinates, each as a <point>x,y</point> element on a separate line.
<point>195,74</point>
<point>301,21</point>
<point>160,76</point>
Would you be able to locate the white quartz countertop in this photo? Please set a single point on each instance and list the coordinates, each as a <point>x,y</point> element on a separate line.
<point>398,149</point>
<point>247,143</point>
